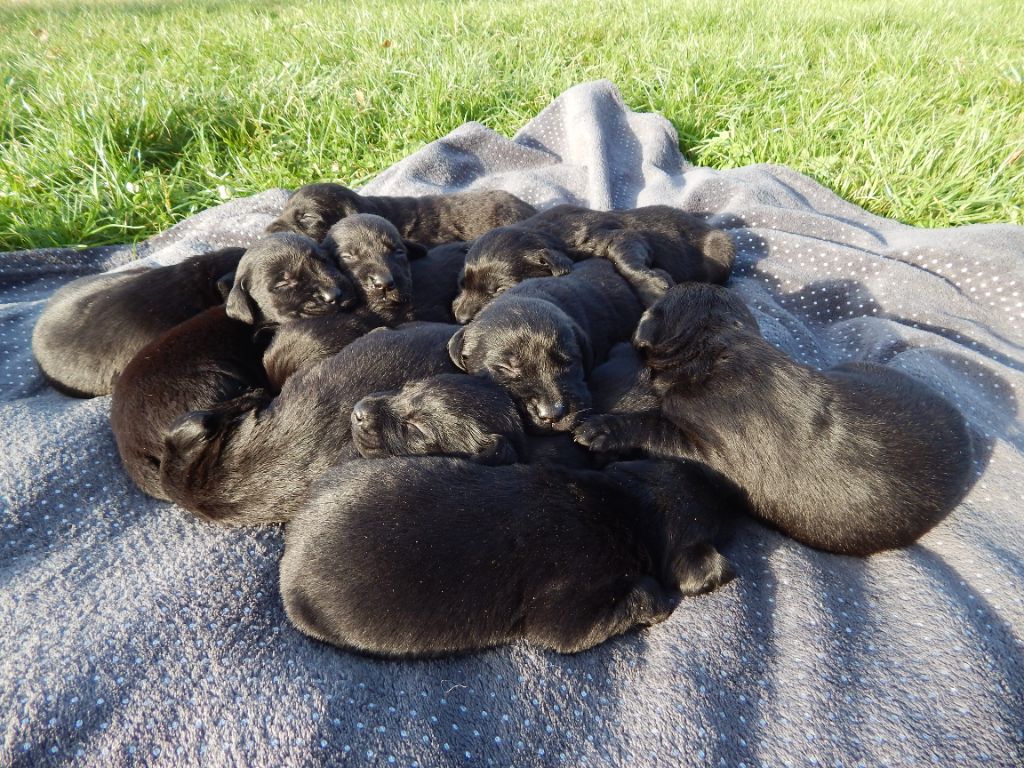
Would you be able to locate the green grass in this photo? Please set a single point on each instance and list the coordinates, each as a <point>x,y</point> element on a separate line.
<point>118,119</point>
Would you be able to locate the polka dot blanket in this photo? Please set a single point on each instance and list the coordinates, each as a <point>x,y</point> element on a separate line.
<point>135,634</point>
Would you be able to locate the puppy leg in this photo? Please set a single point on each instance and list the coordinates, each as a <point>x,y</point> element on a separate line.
<point>633,259</point>
<point>701,568</point>
<point>647,432</point>
<point>580,627</point>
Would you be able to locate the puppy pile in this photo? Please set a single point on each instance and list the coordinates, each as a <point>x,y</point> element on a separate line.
<point>481,423</point>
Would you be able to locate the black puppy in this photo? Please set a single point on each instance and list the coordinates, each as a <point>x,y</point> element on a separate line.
<point>435,282</point>
<point>92,328</point>
<point>429,556</point>
<point>428,220</point>
<point>372,252</point>
<point>540,339</point>
<point>197,365</point>
<point>284,277</point>
<point>467,417</point>
<point>651,247</point>
<point>855,459</point>
<point>242,465</point>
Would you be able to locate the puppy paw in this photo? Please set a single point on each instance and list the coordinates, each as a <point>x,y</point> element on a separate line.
<point>595,433</point>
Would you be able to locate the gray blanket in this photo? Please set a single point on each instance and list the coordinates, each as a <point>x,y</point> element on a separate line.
<point>134,634</point>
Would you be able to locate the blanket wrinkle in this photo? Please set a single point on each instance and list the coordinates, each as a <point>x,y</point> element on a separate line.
<point>136,634</point>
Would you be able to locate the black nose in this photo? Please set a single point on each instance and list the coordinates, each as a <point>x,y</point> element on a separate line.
<point>330,295</point>
<point>550,412</point>
<point>383,283</point>
<point>361,413</point>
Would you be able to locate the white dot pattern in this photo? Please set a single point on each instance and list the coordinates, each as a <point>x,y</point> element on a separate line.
<point>135,634</point>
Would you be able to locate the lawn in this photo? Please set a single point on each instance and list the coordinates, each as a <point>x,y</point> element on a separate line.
<point>118,119</point>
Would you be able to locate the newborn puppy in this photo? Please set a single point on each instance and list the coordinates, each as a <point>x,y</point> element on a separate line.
<point>308,340</point>
<point>199,364</point>
<point>243,465</point>
<point>651,247</point>
<point>428,220</point>
<point>370,249</point>
<point>456,415</point>
<point>854,460</point>
<point>539,340</point>
<point>92,327</point>
<point>386,559</point>
<point>285,277</point>
<point>435,282</point>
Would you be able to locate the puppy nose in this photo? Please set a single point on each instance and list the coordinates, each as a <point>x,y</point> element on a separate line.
<point>551,412</point>
<point>330,295</point>
<point>361,413</point>
<point>383,282</point>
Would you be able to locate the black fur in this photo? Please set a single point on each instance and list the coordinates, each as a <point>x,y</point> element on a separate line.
<point>435,282</point>
<point>541,338</point>
<point>467,417</point>
<point>856,459</point>
<point>197,365</point>
<point>92,328</point>
<point>372,252</point>
<point>429,220</point>
<point>255,465</point>
<point>429,556</point>
<point>285,277</point>
<point>651,247</point>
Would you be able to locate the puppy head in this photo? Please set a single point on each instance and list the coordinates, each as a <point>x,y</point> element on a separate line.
<point>686,334</point>
<point>370,249</point>
<point>500,259</point>
<point>312,209</point>
<point>448,415</point>
<point>284,277</point>
<point>536,352</point>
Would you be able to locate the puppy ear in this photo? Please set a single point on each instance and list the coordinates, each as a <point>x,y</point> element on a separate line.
<point>701,568</point>
<point>586,348</point>
<point>495,450</point>
<point>455,349</point>
<point>720,252</point>
<point>414,250</point>
<point>554,260</point>
<point>240,305</point>
<point>224,285</point>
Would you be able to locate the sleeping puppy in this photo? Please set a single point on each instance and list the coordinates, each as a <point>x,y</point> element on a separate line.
<point>651,247</point>
<point>197,365</point>
<point>376,257</point>
<point>92,328</point>
<point>284,277</point>
<point>429,220</point>
<point>456,415</point>
<point>386,560</point>
<point>540,339</point>
<point>243,465</point>
<point>435,282</point>
<point>308,340</point>
<point>854,460</point>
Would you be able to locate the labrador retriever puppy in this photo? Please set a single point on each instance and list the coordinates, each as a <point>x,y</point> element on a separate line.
<point>435,282</point>
<point>247,463</point>
<point>285,277</point>
<point>652,247</point>
<point>370,250</point>
<point>92,327</point>
<point>197,365</point>
<point>386,560</point>
<point>854,460</point>
<point>540,339</point>
<point>429,220</point>
<point>308,340</point>
<point>467,417</point>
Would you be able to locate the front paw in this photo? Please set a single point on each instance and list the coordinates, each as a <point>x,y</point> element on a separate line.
<point>595,433</point>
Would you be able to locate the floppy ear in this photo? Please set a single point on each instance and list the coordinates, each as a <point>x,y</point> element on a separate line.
<point>224,285</point>
<point>552,259</point>
<point>495,450</point>
<point>240,305</point>
<point>455,349</point>
<point>720,252</point>
<point>414,250</point>
<point>586,349</point>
